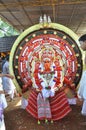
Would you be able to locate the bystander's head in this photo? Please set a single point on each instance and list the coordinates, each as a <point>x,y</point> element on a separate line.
<point>82,41</point>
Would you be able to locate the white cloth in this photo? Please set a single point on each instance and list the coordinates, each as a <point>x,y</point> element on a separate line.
<point>6,68</point>
<point>24,103</point>
<point>83,111</point>
<point>82,88</point>
<point>2,96</point>
<point>4,105</point>
<point>47,93</point>
<point>2,124</point>
<point>82,92</point>
<point>72,101</point>
<point>45,83</point>
<point>8,84</point>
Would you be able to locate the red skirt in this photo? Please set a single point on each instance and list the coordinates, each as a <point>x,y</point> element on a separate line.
<point>58,104</point>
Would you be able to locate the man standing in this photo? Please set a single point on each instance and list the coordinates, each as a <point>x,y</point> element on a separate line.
<point>8,85</point>
<point>82,88</point>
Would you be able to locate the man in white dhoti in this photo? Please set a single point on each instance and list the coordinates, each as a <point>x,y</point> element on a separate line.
<point>82,92</point>
<point>8,84</point>
<point>82,88</point>
<point>3,103</point>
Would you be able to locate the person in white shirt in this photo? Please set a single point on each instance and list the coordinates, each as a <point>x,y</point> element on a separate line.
<point>82,88</point>
<point>3,102</point>
<point>8,84</point>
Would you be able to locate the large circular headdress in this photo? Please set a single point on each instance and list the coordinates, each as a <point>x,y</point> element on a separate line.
<point>39,42</point>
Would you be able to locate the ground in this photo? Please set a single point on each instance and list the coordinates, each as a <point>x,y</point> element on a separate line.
<point>18,119</point>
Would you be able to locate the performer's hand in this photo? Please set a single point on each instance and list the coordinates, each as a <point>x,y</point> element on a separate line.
<point>79,102</point>
<point>61,88</point>
<point>37,90</point>
<point>73,86</point>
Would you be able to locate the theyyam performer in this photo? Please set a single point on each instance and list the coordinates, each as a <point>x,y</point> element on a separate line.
<point>47,65</point>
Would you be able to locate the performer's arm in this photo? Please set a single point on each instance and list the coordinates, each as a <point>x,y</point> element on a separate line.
<point>69,83</point>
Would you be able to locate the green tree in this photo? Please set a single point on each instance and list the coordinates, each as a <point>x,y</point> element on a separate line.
<point>6,29</point>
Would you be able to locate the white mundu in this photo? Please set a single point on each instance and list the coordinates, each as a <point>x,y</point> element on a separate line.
<point>2,96</point>
<point>3,106</point>
<point>8,84</point>
<point>82,92</point>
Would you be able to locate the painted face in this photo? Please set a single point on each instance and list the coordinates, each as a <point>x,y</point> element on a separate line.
<point>47,65</point>
<point>83,45</point>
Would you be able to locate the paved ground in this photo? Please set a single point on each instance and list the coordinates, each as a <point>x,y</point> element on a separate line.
<point>18,119</point>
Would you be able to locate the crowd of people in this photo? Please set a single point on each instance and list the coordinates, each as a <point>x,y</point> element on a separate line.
<point>8,88</point>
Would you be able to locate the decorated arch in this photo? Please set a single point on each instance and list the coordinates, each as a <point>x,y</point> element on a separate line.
<point>41,48</point>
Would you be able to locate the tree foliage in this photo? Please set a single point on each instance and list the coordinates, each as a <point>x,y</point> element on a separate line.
<point>6,29</point>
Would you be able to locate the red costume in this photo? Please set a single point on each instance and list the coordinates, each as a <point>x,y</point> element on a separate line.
<point>48,104</point>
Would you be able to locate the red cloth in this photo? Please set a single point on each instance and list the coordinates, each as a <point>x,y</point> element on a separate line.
<point>58,104</point>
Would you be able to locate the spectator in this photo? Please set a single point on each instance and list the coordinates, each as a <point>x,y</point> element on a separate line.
<point>8,85</point>
<point>82,88</point>
<point>3,103</point>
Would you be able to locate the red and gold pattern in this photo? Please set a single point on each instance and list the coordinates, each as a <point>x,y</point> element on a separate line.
<point>47,56</point>
<point>64,56</point>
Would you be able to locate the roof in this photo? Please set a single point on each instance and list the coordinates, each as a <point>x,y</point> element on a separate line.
<point>6,43</point>
<point>24,13</point>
